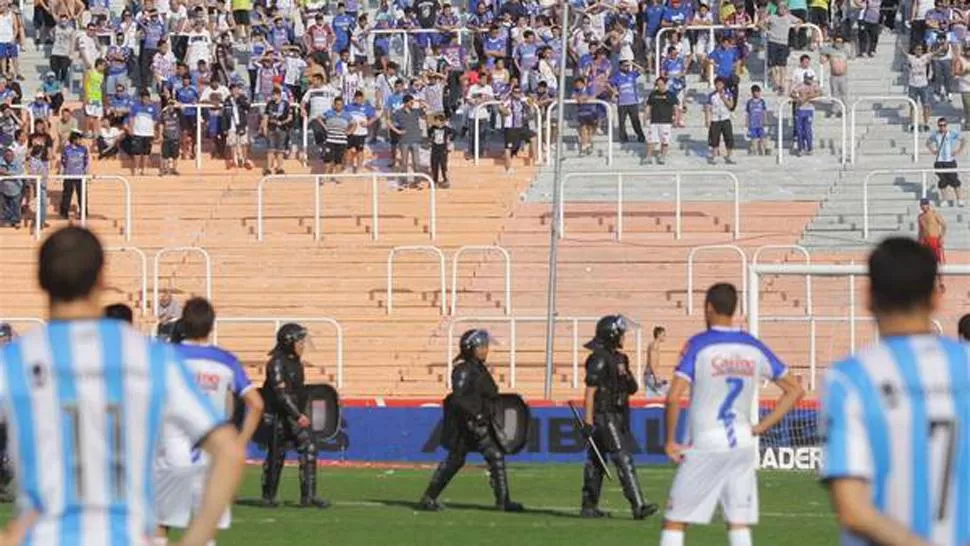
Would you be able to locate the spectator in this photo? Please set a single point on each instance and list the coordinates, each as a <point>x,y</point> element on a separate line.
<point>440,135</point>
<point>756,113</point>
<point>169,312</point>
<point>918,63</point>
<point>364,116</point>
<point>339,123</point>
<point>726,64</point>
<point>478,93</point>
<point>868,26</point>
<point>624,88</point>
<point>74,162</point>
<point>64,125</point>
<point>661,105</point>
<point>94,97</point>
<point>717,115</point>
<point>11,189</point>
<point>60,60</point>
<point>277,118</point>
<point>407,125</point>
<point>119,105</point>
<point>143,130</point>
<point>587,115</point>
<point>917,20</point>
<point>655,387</point>
<point>171,129</point>
<point>778,27</point>
<point>37,165</point>
<point>946,144</point>
<point>11,39</point>
<point>10,123</point>
<point>674,70</point>
<point>109,140</point>
<point>961,71</point>
<point>236,116</point>
<point>153,34</point>
<point>802,96</point>
<point>837,58</point>
<point>515,114</point>
<point>119,311</point>
<point>53,92</point>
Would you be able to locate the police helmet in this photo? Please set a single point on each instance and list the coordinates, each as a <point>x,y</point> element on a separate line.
<point>473,339</point>
<point>6,333</point>
<point>289,335</point>
<point>609,332</point>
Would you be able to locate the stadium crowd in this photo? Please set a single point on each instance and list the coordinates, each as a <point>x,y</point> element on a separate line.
<point>342,82</point>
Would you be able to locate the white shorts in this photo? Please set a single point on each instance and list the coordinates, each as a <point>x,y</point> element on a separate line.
<point>178,495</point>
<point>706,479</point>
<point>94,110</point>
<point>659,132</point>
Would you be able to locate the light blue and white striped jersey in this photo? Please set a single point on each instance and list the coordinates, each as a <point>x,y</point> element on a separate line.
<point>219,376</point>
<point>85,402</point>
<point>898,416</point>
<point>723,365</point>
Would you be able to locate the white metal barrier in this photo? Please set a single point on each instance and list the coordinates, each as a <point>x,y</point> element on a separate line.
<point>30,116</point>
<point>512,342</point>
<point>278,321</point>
<point>889,172</point>
<point>198,129</point>
<point>407,49</point>
<point>914,122</point>
<point>373,176</point>
<point>712,41</point>
<point>808,261</point>
<point>781,115</point>
<point>143,261</point>
<point>677,175</point>
<point>610,121</point>
<point>477,124</point>
<point>482,248</point>
<point>83,198</point>
<point>183,249</point>
<point>690,272</point>
<point>416,248</point>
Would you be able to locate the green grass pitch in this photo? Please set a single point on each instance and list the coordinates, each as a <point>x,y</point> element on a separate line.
<point>375,507</point>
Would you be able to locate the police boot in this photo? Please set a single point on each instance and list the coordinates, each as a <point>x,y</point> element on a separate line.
<point>592,485</point>
<point>631,487</point>
<point>308,485</point>
<point>272,469</point>
<point>500,486</point>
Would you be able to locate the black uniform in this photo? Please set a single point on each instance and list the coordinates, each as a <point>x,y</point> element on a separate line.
<point>608,370</point>
<point>469,425</point>
<point>285,403</point>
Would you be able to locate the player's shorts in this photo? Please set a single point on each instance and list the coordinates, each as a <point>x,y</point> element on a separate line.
<point>659,132</point>
<point>179,495</point>
<point>706,479</point>
<point>755,133</point>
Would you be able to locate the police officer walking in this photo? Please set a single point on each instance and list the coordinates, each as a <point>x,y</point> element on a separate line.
<point>286,401</point>
<point>469,424</point>
<point>609,385</point>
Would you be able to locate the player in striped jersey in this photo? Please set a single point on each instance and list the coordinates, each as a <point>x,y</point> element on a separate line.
<point>721,367</point>
<point>85,399</point>
<point>896,415</point>
<point>180,470</point>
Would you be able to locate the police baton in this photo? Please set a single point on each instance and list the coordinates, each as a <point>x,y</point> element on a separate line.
<point>590,441</point>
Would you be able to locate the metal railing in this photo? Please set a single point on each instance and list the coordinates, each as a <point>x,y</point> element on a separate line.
<point>512,343</point>
<point>914,115</point>
<point>819,35</point>
<point>278,321</point>
<point>37,181</point>
<point>610,121</point>
<point>808,261</point>
<point>184,249</point>
<point>477,124</point>
<point>416,248</point>
<point>889,172</point>
<point>373,176</point>
<point>406,66</point>
<point>712,41</point>
<point>143,260</point>
<point>781,115</point>
<point>690,272</point>
<point>482,248</point>
<point>677,175</point>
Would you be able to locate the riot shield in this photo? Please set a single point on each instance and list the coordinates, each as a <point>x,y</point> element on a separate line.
<point>510,423</point>
<point>323,409</point>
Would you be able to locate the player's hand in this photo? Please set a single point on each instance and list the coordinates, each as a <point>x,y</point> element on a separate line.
<point>303,421</point>
<point>675,452</point>
<point>758,430</point>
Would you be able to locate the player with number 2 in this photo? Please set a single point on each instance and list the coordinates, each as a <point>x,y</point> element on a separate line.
<point>721,367</point>
<point>896,415</point>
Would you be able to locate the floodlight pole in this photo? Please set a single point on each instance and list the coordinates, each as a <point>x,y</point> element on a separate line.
<point>556,205</point>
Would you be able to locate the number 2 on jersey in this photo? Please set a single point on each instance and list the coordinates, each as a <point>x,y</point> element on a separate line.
<point>725,413</point>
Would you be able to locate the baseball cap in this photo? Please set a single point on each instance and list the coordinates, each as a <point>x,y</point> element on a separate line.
<point>924,201</point>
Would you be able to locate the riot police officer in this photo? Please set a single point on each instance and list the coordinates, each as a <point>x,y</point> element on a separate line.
<point>286,400</point>
<point>609,384</point>
<point>469,424</point>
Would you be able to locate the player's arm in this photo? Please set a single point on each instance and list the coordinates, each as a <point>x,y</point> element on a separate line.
<point>252,400</point>
<point>942,224</point>
<point>791,393</point>
<point>16,529</point>
<point>683,377</point>
<point>852,500</point>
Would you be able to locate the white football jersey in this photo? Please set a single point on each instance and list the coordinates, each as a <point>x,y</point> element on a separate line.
<point>723,365</point>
